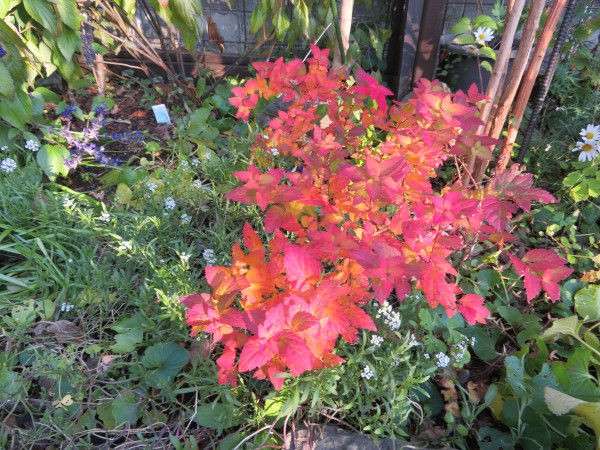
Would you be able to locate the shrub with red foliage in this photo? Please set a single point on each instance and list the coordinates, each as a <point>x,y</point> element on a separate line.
<point>359,221</point>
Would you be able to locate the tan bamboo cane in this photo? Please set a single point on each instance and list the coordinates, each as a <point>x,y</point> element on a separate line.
<point>494,125</point>
<point>528,82</point>
<point>500,66</point>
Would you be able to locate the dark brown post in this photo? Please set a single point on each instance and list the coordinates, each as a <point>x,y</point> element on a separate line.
<point>428,44</point>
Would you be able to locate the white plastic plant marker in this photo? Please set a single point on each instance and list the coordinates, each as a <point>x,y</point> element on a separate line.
<point>161,114</point>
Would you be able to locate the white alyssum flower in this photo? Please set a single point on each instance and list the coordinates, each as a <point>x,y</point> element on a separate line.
<point>8,165</point>
<point>66,307</point>
<point>588,150</point>
<point>151,186</point>
<point>3,148</point>
<point>274,151</point>
<point>32,145</point>
<point>170,203</point>
<point>125,245</point>
<point>459,351</point>
<point>367,373</point>
<point>186,219</point>
<point>68,202</point>
<point>413,341</point>
<point>197,184</point>
<point>209,256</point>
<point>376,340</point>
<point>442,360</point>
<point>391,318</point>
<point>591,133</point>
<point>185,165</point>
<point>483,35</point>
<point>195,162</point>
<point>185,257</point>
<point>104,217</point>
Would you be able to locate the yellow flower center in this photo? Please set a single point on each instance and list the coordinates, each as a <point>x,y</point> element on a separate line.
<point>586,147</point>
<point>589,135</point>
<point>481,36</point>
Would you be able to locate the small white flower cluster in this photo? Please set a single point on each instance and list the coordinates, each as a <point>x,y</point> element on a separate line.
<point>170,203</point>
<point>186,219</point>
<point>274,151</point>
<point>209,256</point>
<point>32,145</point>
<point>125,245</point>
<point>413,341</point>
<point>197,184</point>
<point>442,360</point>
<point>185,165</point>
<point>68,202</point>
<point>589,145</point>
<point>151,186</point>
<point>66,307</point>
<point>367,373</point>
<point>104,217</point>
<point>459,351</point>
<point>391,318</point>
<point>376,340</point>
<point>185,257</point>
<point>8,165</point>
<point>483,35</point>
<point>195,162</point>
<point>3,148</point>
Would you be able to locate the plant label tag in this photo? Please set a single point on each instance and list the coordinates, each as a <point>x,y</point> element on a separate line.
<point>161,114</point>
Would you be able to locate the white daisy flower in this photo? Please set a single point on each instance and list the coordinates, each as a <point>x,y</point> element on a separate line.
<point>591,133</point>
<point>588,150</point>
<point>483,35</point>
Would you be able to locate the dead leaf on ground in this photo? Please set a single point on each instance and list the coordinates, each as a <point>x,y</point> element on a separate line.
<point>61,331</point>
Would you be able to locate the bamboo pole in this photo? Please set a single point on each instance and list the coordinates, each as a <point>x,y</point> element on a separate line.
<point>528,81</point>
<point>500,67</point>
<point>493,126</point>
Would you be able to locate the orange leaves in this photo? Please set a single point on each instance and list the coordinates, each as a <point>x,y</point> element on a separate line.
<point>360,214</point>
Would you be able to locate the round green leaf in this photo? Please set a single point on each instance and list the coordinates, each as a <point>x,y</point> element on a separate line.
<point>587,303</point>
<point>51,159</point>
<point>165,361</point>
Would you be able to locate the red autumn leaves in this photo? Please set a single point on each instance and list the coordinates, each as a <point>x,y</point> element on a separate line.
<point>361,220</point>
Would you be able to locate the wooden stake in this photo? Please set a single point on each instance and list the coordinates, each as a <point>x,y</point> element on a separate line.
<point>500,66</point>
<point>493,127</point>
<point>528,82</point>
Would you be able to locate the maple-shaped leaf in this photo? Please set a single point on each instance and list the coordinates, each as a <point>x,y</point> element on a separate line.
<point>541,269</point>
<point>296,354</point>
<point>497,212</point>
<point>472,309</point>
<point>518,186</point>
<point>260,188</point>
<point>256,353</point>
<point>301,269</point>
<point>369,86</point>
<point>303,320</point>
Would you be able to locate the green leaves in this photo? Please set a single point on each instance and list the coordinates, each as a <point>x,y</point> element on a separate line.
<point>67,11</point>
<point>587,303</point>
<point>462,26</point>
<point>7,87</point>
<point>68,41</point>
<point>164,361</point>
<point>259,16</point>
<point>51,159</point>
<point>42,12</point>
